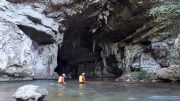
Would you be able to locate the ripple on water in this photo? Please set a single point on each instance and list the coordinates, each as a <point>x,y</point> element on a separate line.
<point>165,98</point>
<point>97,91</point>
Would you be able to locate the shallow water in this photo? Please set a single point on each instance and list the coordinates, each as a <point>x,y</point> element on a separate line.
<point>98,91</point>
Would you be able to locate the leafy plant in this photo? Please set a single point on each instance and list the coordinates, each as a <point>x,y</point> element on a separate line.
<point>151,76</point>
<point>138,75</point>
<point>23,74</point>
<point>142,74</point>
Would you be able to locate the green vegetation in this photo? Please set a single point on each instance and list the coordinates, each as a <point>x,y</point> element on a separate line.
<point>151,76</point>
<point>143,75</point>
<point>22,74</point>
<point>42,1</point>
<point>138,75</point>
<point>168,12</point>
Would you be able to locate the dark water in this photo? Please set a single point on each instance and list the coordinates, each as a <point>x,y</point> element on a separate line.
<point>98,91</point>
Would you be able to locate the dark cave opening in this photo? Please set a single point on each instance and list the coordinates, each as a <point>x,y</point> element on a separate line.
<point>77,53</point>
<point>113,64</point>
<point>73,68</point>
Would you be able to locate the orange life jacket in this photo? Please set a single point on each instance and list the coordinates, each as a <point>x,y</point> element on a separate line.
<point>61,79</point>
<point>82,79</point>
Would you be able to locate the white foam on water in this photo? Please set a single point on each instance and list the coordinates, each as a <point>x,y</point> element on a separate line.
<point>131,98</point>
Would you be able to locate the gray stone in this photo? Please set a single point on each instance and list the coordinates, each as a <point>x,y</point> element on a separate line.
<point>160,53</point>
<point>160,49</point>
<point>29,42</point>
<point>44,60</point>
<point>15,50</point>
<point>148,63</point>
<point>132,54</point>
<point>57,2</point>
<point>31,20</point>
<point>30,93</point>
<point>177,42</point>
<point>145,61</point>
<point>170,73</point>
<point>21,58</point>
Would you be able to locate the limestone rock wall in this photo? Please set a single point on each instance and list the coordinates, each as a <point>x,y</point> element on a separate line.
<point>44,60</point>
<point>158,55</point>
<point>90,26</point>
<point>29,42</point>
<point>100,37</point>
<point>15,59</point>
<point>137,58</point>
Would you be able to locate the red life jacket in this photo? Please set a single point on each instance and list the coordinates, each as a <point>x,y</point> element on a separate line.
<point>83,78</point>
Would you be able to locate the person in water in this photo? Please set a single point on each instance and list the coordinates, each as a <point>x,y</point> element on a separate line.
<point>82,78</point>
<point>61,79</point>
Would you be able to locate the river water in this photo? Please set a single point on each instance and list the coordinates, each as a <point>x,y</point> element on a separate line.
<point>98,91</point>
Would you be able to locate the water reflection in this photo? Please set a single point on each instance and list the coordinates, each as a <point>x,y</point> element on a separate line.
<point>61,90</point>
<point>98,91</point>
<point>81,88</point>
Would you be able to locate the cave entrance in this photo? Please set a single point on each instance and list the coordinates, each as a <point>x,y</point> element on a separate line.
<point>78,50</point>
<point>73,61</point>
<point>64,66</point>
<point>113,66</point>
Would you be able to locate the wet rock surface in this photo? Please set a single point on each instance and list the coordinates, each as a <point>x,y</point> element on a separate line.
<point>30,93</point>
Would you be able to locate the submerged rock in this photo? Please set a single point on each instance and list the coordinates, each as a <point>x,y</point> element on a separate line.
<point>30,93</point>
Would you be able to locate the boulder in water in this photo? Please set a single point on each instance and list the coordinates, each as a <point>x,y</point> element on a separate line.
<point>30,93</point>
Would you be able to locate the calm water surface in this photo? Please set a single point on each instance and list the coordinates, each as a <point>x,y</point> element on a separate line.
<point>98,91</point>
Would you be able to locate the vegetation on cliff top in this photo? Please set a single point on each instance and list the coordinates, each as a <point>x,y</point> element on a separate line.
<point>168,12</point>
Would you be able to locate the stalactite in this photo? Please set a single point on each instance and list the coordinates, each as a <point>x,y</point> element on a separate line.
<point>94,45</point>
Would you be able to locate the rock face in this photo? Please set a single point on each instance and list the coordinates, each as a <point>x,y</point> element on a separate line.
<point>30,93</point>
<point>170,73</point>
<point>112,37</point>
<point>15,52</point>
<point>160,52</point>
<point>102,22</point>
<point>31,21</point>
<point>100,37</point>
<point>29,42</point>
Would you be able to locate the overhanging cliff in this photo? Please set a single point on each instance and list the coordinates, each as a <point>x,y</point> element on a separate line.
<point>100,37</point>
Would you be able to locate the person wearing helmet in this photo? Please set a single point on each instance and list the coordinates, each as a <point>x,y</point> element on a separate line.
<point>61,79</point>
<point>82,78</point>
